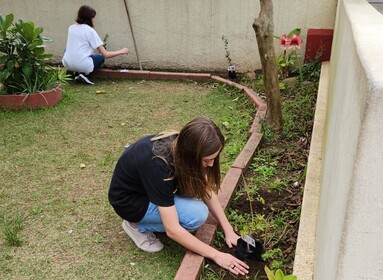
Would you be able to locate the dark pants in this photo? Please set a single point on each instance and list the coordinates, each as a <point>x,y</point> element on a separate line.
<point>98,61</point>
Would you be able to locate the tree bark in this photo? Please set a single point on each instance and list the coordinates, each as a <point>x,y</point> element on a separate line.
<point>264,31</point>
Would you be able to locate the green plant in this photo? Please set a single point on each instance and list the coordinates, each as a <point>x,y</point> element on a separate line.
<point>289,57</point>
<point>209,274</point>
<point>23,61</point>
<point>12,228</point>
<point>105,40</point>
<point>279,275</point>
<point>311,69</point>
<point>227,53</point>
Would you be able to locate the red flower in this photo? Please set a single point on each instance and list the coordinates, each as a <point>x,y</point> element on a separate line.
<point>283,41</point>
<point>294,42</point>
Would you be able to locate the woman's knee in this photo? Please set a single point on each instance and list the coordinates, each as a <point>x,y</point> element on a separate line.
<point>195,216</point>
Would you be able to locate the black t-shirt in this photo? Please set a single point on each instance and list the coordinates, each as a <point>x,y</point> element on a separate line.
<point>140,177</point>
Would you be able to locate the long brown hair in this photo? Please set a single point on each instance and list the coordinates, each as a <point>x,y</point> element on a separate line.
<point>197,139</point>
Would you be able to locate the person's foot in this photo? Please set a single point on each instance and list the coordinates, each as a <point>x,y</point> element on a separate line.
<point>83,78</point>
<point>74,75</point>
<point>146,241</point>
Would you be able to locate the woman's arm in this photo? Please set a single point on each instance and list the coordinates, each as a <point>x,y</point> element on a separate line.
<point>108,54</point>
<point>216,209</point>
<point>174,231</point>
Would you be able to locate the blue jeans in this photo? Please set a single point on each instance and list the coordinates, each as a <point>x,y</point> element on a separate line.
<point>192,214</point>
<point>98,60</point>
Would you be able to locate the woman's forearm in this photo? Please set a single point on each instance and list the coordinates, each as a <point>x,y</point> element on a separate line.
<point>110,54</point>
<point>216,210</point>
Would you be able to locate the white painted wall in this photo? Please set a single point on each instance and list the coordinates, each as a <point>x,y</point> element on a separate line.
<point>350,225</point>
<point>175,34</point>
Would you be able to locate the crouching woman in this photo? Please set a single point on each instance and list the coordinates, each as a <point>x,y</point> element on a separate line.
<point>168,183</point>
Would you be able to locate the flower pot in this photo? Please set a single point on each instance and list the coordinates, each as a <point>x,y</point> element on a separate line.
<point>231,72</point>
<point>38,100</point>
<point>245,251</point>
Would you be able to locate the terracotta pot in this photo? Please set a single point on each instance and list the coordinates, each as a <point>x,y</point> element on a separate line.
<point>38,100</point>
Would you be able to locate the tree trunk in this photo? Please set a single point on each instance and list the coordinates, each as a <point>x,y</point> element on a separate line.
<point>264,31</point>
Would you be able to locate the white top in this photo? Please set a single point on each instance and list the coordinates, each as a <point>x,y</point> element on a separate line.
<point>81,42</point>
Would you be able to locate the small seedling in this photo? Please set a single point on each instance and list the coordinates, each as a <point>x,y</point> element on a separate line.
<point>12,228</point>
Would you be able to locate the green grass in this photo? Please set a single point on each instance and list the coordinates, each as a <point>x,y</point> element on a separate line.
<point>55,220</point>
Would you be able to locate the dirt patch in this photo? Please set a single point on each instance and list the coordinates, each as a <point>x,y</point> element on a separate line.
<point>272,190</point>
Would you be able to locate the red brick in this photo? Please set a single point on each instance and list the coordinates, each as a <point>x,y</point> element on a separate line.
<point>179,76</point>
<point>229,183</point>
<point>244,158</point>
<point>228,82</point>
<point>258,102</point>
<point>191,264</point>
<point>129,74</point>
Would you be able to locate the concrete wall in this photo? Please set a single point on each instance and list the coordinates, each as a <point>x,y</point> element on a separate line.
<point>350,223</point>
<point>175,34</point>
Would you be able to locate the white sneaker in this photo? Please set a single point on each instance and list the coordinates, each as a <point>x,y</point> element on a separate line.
<point>146,241</point>
<point>84,78</point>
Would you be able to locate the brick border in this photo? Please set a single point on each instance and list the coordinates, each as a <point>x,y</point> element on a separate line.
<point>191,264</point>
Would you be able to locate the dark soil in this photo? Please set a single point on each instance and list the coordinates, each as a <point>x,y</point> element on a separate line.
<point>281,206</point>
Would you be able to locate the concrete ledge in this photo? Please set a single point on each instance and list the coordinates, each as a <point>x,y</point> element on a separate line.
<point>304,262</point>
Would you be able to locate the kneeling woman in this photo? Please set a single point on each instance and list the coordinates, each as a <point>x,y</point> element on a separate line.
<point>159,182</point>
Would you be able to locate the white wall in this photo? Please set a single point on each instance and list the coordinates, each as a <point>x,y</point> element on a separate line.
<point>176,34</point>
<point>350,226</point>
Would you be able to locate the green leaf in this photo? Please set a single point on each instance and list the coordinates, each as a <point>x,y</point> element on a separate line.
<point>279,275</point>
<point>33,45</point>
<point>269,273</point>
<point>28,30</point>
<point>290,277</point>
<point>6,22</point>
<point>38,31</point>
<point>296,31</point>
<point>4,74</point>
<point>27,70</point>
<point>10,65</point>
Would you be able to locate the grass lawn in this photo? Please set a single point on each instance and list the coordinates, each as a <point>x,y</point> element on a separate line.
<point>56,165</point>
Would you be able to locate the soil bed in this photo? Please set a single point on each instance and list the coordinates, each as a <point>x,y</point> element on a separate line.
<point>274,185</point>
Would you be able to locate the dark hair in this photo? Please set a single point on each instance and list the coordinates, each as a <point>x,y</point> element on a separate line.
<point>197,139</point>
<point>85,15</point>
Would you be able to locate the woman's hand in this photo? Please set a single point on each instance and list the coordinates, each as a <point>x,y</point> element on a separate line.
<point>124,51</point>
<point>231,238</point>
<point>231,263</point>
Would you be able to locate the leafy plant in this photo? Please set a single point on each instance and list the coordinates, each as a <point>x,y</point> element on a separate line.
<point>279,275</point>
<point>23,61</point>
<point>311,70</point>
<point>12,228</point>
<point>105,40</point>
<point>289,57</point>
<point>227,53</point>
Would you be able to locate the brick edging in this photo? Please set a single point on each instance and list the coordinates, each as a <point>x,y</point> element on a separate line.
<point>191,263</point>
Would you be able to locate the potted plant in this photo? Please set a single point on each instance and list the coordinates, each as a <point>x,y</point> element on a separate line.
<point>26,80</point>
<point>231,67</point>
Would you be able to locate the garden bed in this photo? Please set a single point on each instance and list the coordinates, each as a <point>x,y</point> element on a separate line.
<point>274,185</point>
